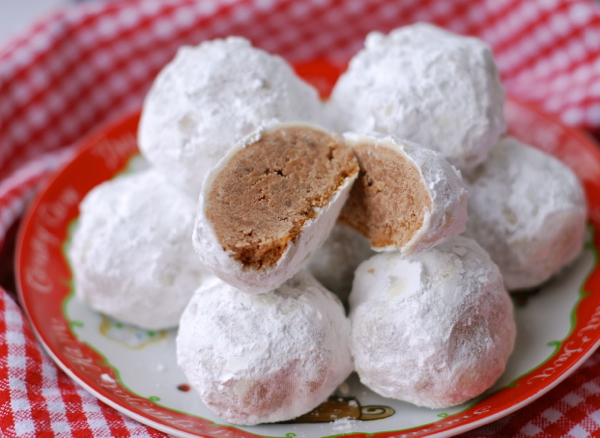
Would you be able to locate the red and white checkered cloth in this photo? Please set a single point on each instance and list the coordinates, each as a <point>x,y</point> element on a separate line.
<point>82,66</point>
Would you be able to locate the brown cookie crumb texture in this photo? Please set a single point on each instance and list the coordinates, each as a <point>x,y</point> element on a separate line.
<point>389,200</point>
<point>261,200</point>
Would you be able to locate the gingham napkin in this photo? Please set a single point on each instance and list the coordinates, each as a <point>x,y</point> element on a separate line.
<point>78,68</point>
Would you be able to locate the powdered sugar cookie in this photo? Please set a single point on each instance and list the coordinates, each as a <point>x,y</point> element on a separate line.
<point>131,253</point>
<point>434,329</point>
<point>271,203</point>
<point>264,358</point>
<point>528,210</point>
<point>406,198</point>
<point>211,96</point>
<point>424,84</point>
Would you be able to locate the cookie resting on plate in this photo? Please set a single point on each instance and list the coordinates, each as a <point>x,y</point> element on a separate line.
<point>131,253</point>
<point>267,357</point>
<point>528,211</point>
<point>434,329</point>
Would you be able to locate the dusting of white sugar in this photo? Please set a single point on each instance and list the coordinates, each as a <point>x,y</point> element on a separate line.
<point>268,357</point>
<point>212,95</point>
<point>424,84</point>
<point>434,329</point>
<point>131,253</point>
<point>344,424</point>
<point>528,210</point>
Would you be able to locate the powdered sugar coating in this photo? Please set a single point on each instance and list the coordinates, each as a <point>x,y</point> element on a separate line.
<point>444,183</point>
<point>434,329</point>
<point>424,84</point>
<point>131,253</point>
<point>212,95</point>
<point>264,358</point>
<point>528,210</point>
<point>313,234</point>
<point>335,262</point>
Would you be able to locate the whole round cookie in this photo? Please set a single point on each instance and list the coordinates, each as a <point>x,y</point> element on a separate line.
<point>333,264</point>
<point>433,329</point>
<point>528,210</point>
<point>406,198</point>
<point>211,96</point>
<point>264,358</point>
<point>424,84</point>
<point>271,202</point>
<point>131,252</point>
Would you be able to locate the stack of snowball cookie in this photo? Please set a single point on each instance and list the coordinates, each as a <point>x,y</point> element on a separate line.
<point>264,212</point>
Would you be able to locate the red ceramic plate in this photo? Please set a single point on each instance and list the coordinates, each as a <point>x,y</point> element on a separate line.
<point>135,371</point>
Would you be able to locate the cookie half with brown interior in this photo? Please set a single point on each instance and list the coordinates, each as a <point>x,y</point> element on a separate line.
<point>406,198</point>
<point>271,202</point>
